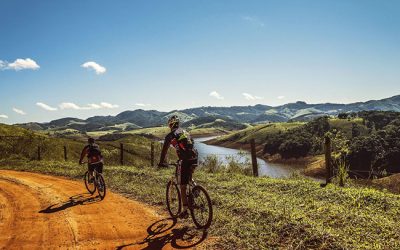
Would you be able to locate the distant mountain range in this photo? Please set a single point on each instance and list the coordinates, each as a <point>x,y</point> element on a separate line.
<point>298,111</point>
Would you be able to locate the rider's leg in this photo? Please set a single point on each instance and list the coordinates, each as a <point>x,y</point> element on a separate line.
<point>184,197</point>
<point>185,177</point>
<point>90,170</point>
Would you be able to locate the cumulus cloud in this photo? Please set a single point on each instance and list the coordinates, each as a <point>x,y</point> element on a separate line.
<point>4,116</point>
<point>281,97</point>
<point>142,104</point>
<point>19,64</point>
<point>94,66</point>
<point>253,20</point>
<point>71,105</point>
<point>216,95</point>
<point>19,111</point>
<point>45,106</point>
<point>251,97</point>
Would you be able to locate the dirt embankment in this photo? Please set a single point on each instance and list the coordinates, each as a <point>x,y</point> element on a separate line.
<point>39,211</point>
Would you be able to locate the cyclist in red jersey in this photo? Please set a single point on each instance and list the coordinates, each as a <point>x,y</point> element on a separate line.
<point>188,157</point>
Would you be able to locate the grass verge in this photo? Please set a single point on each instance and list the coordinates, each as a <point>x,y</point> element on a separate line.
<point>265,213</point>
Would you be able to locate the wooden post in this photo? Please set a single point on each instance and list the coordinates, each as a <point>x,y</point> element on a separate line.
<point>152,154</point>
<point>121,148</point>
<point>65,153</point>
<point>328,159</point>
<point>38,153</point>
<point>254,157</point>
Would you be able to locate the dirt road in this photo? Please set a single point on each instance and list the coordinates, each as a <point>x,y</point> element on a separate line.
<point>41,212</point>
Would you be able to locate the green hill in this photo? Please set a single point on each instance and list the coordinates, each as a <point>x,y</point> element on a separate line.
<point>22,144</point>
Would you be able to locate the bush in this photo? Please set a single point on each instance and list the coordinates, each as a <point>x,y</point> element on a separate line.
<point>211,164</point>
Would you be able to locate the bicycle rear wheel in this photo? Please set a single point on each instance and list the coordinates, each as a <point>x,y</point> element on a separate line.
<point>200,207</point>
<point>101,186</point>
<point>173,197</point>
<point>91,187</point>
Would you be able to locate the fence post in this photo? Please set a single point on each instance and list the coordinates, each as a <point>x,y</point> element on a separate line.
<point>38,153</point>
<point>65,153</point>
<point>254,157</point>
<point>328,159</point>
<point>121,155</point>
<point>152,154</point>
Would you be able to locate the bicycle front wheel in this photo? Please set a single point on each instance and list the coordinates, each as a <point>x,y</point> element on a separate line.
<point>90,185</point>
<point>173,197</point>
<point>200,207</point>
<point>101,186</point>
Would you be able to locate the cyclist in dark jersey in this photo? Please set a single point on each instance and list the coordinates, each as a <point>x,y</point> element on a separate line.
<point>95,159</point>
<point>184,145</point>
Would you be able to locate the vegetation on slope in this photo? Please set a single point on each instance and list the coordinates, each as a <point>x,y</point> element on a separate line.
<point>23,145</point>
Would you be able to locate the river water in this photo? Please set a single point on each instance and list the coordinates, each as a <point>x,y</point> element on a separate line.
<point>264,168</point>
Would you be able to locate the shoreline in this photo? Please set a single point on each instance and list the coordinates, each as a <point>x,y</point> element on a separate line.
<point>314,166</point>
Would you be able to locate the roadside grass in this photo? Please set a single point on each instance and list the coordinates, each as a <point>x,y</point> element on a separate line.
<point>264,213</point>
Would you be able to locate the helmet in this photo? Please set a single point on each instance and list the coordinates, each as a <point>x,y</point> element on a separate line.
<point>173,122</point>
<point>90,140</point>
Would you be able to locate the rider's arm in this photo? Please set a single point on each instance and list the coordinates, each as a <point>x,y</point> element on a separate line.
<point>83,154</point>
<point>167,142</point>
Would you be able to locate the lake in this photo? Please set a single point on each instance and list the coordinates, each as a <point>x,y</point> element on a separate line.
<point>264,168</point>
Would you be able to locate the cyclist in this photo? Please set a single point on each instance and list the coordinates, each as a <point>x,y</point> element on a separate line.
<point>184,145</point>
<point>95,159</point>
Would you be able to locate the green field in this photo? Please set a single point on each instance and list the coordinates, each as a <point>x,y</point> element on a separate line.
<point>258,133</point>
<point>265,213</point>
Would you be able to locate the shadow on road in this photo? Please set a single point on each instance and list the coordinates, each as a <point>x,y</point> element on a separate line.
<point>179,237</point>
<point>79,199</point>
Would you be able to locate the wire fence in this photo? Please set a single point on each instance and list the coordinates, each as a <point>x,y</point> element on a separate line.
<point>30,148</point>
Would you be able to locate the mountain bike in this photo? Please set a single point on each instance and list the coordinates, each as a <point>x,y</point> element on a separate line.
<point>97,183</point>
<point>199,202</point>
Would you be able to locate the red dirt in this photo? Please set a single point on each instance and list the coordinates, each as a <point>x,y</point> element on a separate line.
<point>39,211</point>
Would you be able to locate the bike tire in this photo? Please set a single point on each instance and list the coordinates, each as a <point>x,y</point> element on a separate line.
<point>173,187</point>
<point>201,192</point>
<point>91,187</point>
<point>102,186</point>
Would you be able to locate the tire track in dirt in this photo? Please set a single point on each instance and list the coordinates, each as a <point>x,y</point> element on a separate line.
<point>39,211</point>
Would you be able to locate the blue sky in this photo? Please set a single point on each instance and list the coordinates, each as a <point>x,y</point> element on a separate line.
<point>178,54</point>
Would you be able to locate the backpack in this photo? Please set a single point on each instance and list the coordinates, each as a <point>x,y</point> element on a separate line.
<point>94,153</point>
<point>185,141</point>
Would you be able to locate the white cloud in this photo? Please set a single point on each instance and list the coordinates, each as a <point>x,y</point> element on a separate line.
<point>70,105</point>
<point>4,116</point>
<point>253,20</point>
<point>281,97</point>
<point>108,105</point>
<point>45,106</point>
<point>251,97</point>
<point>94,106</point>
<point>216,95</point>
<point>19,64</point>
<point>95,66</point>
<point>18,111</point>
<point>142,104</point>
